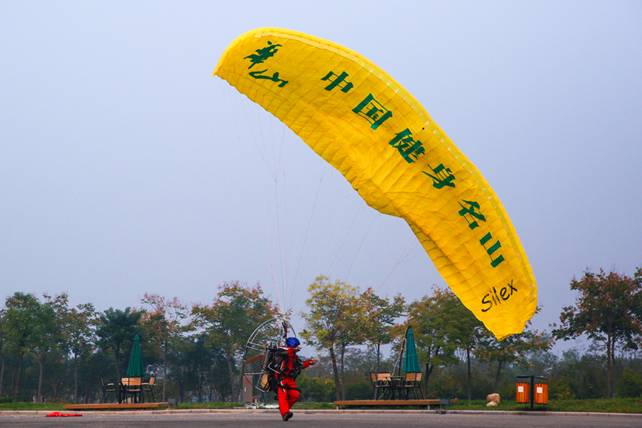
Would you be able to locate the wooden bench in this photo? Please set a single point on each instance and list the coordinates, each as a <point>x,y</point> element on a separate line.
<point>428,403</point>
<point>117,406</point>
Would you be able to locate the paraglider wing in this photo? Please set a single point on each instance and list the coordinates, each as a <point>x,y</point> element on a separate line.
<point>383,141</point>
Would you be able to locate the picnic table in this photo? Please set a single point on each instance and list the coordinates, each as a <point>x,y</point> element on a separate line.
<point>389,387</point>
<point>130,389</point>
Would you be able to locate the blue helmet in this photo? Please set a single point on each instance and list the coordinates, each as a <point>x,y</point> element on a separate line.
<point>292,342</point>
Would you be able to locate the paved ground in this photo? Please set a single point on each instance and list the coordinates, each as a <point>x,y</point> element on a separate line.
<point>324,419</point>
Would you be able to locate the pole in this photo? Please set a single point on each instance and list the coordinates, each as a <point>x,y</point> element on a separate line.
<point>403,346</point>
<point>285,331</point>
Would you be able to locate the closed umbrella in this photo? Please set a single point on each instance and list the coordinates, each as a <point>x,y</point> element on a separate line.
<point>411,361</point>
<point>135,365</point>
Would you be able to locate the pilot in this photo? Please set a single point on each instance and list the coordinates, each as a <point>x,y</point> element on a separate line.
<point>289,366</point>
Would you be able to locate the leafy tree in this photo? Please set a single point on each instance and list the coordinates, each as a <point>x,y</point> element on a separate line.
<point>434,321</point>
<point>3,351</point>
<point>79,325</point>
<point>47,333</point>
<point>116,330</point>
<point>577,375</point>
<point>20,317</point>
<point>162,323</point>
<point>380,315</point>
<point>608,310</point>
<point>334,322</point>
<point>513,349</point>
<point>466,334</point>
<point>185,357</point>
<point>203,366</point>
<point>96,366</point>
<point>193,365</point>
<point>230,319</point>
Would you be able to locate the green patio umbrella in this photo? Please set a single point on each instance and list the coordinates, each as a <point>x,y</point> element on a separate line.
<point>411,361</point>
<point>135,365</point>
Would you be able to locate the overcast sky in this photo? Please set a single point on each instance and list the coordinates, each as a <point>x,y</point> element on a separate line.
<point>126,168</point>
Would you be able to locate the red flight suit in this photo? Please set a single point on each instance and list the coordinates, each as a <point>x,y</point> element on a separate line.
<point>286,392</point>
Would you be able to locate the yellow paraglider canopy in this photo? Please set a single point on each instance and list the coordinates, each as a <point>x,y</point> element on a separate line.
<point>383,141</point>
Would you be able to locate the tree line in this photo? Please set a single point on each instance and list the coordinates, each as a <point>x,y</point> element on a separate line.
<point>51,350</point>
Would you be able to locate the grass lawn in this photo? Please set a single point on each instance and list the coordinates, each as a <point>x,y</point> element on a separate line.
<point>310,405</point>
<point>211,405</point>
<point>615,405</point>
<point>31,406</point>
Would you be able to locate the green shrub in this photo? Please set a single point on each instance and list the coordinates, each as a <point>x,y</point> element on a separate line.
<point>359,391</point>
<point>316,388</point>
<point>630,384</point>
<point>560,389</point>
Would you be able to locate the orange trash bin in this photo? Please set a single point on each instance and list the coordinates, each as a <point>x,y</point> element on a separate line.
<point>541,393</point>
<point>523,394</point>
